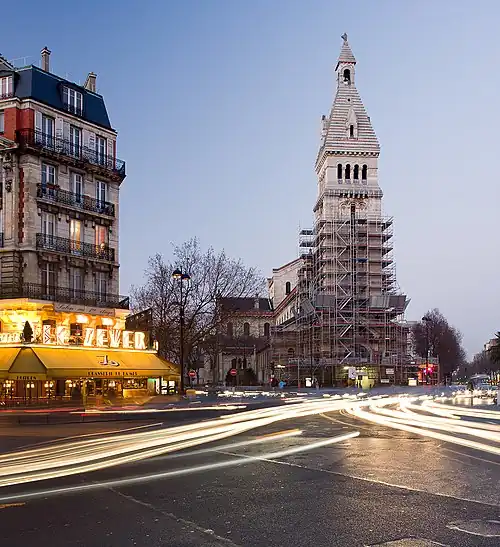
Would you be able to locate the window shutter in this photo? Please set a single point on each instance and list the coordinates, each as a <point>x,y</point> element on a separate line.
<point>38,121</point>
<point>111,152</point>
<point>59,128</point>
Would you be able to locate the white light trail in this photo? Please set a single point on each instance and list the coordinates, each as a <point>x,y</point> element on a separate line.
<point>178,472</point>
<point>100,452</point>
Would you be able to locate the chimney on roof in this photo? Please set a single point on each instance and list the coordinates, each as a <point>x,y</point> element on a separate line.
<point>46,59</point>
<point>90,82</point>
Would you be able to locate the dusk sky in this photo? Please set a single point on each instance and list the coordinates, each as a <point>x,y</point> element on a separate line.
<point>218,106</point>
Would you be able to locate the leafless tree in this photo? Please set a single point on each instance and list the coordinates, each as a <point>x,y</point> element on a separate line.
<point>443,340</point>
<point>213,275</point>
<point>482,364</point>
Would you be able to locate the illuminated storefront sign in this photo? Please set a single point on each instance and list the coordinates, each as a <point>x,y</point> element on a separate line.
<point>10,337</point>
<point>91,338</point>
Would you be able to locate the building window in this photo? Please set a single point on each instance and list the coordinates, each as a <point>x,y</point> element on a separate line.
<point>75,141</point>
<point>48,179</point>
<point>364,172</point>
<point>351,131</point>
<point>76,282</point>
<point>101,193</point>
<point>101,236</point>
<point>339,171</point>
<point>348,172</point>
<point>230,330</point>
<point>48,279</point>
<point>100,150</point>
<point>356,172</point>
<point>73,101</point>
<point>75,235</point>
<point>267,329</point>
<point>2,121</point>
<point>77,187</point>
<point>6,88</point>
<point>246,329</point>
<point>48,227</point>
<point>101,286</point>
<point>288,287</point>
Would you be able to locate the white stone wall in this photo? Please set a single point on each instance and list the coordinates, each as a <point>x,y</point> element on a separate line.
<point>277,284</point>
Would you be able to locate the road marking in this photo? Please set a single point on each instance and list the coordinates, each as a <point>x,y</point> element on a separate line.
<point>477,527</point>
<point>188,523</point>
<point>468,456</point>
<point>7,505</point>
<point>364,479</point>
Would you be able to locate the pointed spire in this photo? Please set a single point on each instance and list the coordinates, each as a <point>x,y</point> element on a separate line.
<point>346,55</point>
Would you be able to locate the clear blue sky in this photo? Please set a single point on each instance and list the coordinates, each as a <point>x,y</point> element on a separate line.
<point>218,106</point>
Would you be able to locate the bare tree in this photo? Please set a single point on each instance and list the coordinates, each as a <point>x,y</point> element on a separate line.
<point>213,275</point>
<point>482,363</point>
<point>442,340</point>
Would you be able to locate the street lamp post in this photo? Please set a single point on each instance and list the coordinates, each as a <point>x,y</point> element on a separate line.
<point>426,321</point>
<point>180,276</point>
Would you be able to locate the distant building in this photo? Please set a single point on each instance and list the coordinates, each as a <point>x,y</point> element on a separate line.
<point>243,339</point>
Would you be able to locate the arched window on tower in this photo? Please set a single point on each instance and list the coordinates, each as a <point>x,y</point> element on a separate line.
<point>364,172</point>
<point>356,172</point>
<point>348,172</point>
<point>339,171</point>
<point>351,131</point>
<point>288,287</point>
<point>246,329</point>
<point>347,76</point>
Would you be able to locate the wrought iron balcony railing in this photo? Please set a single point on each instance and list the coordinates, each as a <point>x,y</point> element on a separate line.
<point>57,146</point>
<point>56,244</point>
<point>86,203</point>
<point>6,95</point>
<point>73,109</point>
<point>65,295</point>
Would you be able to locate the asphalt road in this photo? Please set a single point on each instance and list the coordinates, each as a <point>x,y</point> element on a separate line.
<point>381,487</point>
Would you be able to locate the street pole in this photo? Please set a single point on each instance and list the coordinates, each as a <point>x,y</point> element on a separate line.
<point>179,276</point>
<point>181,313</point>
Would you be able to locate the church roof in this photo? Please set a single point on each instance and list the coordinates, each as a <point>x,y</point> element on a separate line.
<point>348,108</point>
<point>346,54</point>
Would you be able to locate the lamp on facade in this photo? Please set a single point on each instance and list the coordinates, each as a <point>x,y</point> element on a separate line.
<point>180,277</point>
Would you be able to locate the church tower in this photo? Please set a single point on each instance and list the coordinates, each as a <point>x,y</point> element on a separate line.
<point>349,320</point>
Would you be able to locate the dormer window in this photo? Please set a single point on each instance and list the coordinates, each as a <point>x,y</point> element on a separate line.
<point>73,101</point>
<point>6,87</point>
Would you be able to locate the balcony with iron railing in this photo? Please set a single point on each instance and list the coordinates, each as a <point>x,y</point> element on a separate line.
<point>55,244</point>
<point>6,95</point>
<point>73,109</point>
<point>58,147</point>
<point>79,201</point>
<point>64,295</point>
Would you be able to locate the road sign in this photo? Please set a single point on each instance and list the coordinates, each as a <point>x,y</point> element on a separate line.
<point>192,374</point>
<point>233,372</point>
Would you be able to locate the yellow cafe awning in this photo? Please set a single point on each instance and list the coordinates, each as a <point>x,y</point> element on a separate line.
<point>105,363</point>
<point>27,366</point>
<point>7,357</point>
